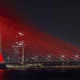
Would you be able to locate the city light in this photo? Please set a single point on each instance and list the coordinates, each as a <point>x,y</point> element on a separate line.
<point>20,34</point>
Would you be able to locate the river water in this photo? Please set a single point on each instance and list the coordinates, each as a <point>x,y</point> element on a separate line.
<point>39,75</point>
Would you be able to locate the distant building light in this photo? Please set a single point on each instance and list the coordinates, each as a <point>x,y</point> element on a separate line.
<point>21,43</point>
<point>49,56</point>
<point>21,34</point>
<point>36,56</point>
<point>8,58</point>
<point>33,58</point>
<point>14,49</point>
<point>16,42</point>
<point>77,56</point>
<point>62,56</point>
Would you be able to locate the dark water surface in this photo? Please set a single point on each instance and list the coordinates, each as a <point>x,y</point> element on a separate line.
<point>39,75</point>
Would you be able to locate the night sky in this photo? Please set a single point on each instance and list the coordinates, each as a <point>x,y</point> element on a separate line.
<point>55,17</point>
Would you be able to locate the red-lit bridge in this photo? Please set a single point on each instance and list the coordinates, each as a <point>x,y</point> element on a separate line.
<point>22,43</point>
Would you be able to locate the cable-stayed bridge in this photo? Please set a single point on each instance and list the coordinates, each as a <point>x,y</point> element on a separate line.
<point>23,44</point>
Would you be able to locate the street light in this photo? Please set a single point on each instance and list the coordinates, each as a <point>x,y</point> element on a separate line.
<point>62,57</point>
<point>36,58</point>
<point>49,57</point>
<point>76,57</point>
<point>8,58</point>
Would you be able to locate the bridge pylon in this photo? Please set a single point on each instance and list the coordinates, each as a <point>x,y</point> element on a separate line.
<point>1,57</point>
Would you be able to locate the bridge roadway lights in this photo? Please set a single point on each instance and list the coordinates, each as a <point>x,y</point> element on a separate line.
<point>45,65</point>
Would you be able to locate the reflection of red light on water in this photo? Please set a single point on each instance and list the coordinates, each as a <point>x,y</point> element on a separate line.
<point>1,71</point>
<point>1,74</point>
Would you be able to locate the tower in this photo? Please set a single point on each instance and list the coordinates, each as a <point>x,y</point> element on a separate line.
<point>1,57</point>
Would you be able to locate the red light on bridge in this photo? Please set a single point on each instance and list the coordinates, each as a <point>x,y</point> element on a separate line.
<point>1,58</point>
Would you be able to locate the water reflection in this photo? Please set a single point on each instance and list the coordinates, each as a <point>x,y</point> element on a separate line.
<point>3,74</point>
<point>38,75</point>
<point>11,75</point>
